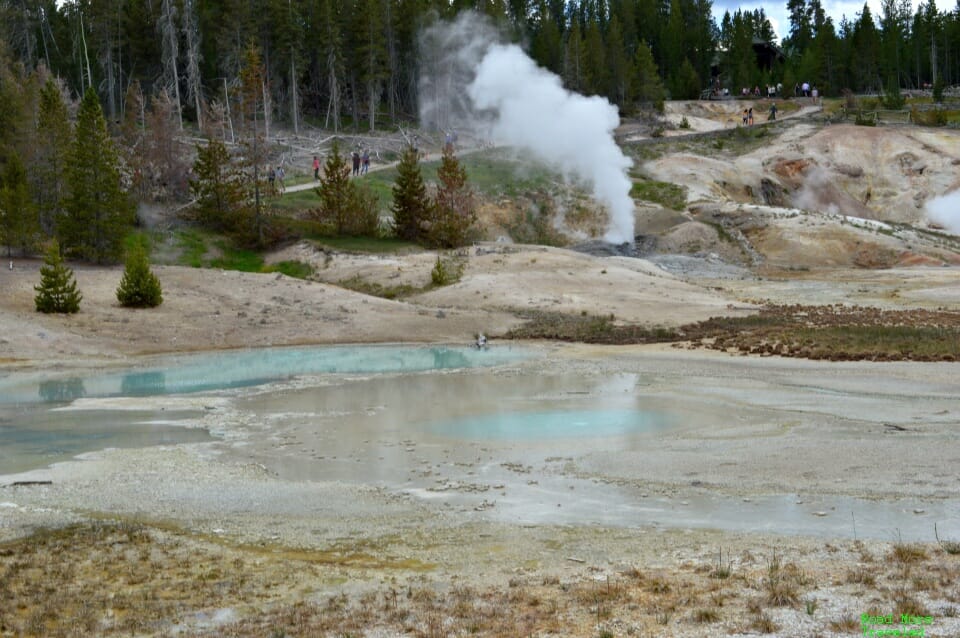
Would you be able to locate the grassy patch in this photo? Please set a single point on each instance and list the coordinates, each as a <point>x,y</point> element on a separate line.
<point>193,247</point>
<point>372,245</point>
<point>361,285</point>
<point>296,202</point>
<point>586,328</point>
<point>722,232</point>
<point>241,259</point>
<point>120,578</point>
<point>836,333</point>
<point>671,196</point>
<point>295,269</point>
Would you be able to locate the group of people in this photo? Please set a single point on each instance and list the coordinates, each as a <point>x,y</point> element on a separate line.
<point>773,90</point>
<point>361,163</point>
<point>805,90</point>
<point>748,114</point>
<point>275,177</point>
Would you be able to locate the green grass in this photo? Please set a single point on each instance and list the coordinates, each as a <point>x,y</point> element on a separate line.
<point>492,172</point>
<point>358,284</point>
<point>193,247</point>
<point>664,193</point>
<point>295,202</point>
<point>295,269</point>
<point>241,259</point>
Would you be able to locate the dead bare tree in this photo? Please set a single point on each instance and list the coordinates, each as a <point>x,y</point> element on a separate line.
<point>167,25</point>
<point>191,33</point>
<point>333,85</point>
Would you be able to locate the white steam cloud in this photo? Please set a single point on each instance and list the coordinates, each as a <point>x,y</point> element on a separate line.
<point>527,107</point>
<point>945,211</point>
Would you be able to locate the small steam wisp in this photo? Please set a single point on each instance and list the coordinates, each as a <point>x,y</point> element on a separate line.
<point>945,211</point>
<point>527,107</point>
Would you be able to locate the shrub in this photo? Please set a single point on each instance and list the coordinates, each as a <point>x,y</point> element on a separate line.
<point>446,271</point>
<point>366,206</point>
<point>139,287</point>
<point>57,291</point>
<point>892,98</point>
<point>938,89</point>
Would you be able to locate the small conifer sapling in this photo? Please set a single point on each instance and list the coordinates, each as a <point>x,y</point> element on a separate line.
<point>139,287</point>
<point>57,290</point>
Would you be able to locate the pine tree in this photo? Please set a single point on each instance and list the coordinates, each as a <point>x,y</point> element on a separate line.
<point>596,70</point>
<point>573,60</point>
<point>57,291</point>
<point>619,64</point>
<point>99,212</point>
<point>454,206</point>
<point>372,54</point>
<point>647,86</point>
<point>411,207</point>
<point>686,82</point>
<point>19,225</point>
<point>139,287</point>
<point>547,46</point>
<point>217,189</point>
<point>53,139</point>
<point>335,191</point>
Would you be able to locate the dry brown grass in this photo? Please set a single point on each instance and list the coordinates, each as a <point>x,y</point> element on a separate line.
<point>906,553</point>
<point>113,579</point>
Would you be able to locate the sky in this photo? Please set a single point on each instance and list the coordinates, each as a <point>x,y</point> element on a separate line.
<point>777,11</point>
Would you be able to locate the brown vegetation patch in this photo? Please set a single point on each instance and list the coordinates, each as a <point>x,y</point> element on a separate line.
<point>110,579</point>
<point>874,256</point>
<point>831,332</point>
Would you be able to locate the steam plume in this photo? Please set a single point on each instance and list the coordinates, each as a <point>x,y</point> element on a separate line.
<point>945,211</point>
<point>527,107</point>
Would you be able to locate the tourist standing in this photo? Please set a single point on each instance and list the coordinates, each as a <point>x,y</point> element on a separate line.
<point>316,168</point>
<point>356,163</point>
<point>366,162</point>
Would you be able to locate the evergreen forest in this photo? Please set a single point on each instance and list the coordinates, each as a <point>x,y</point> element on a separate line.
<point>94,95</point>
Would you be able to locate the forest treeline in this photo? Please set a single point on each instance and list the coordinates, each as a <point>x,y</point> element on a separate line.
<point>357,62</point>
<point>98,98</point>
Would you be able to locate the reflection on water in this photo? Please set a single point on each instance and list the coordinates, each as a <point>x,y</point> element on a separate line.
<point>35,436</point>
<point>508,444</point>
<point>140,384</point>
<point>237,369</point>
<point>61,390</point>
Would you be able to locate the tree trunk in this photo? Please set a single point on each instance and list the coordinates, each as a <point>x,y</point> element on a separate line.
<point>294,97</point>
<point>171,53</point>
<point>391,62</point>
<point>333,107</point>
<point>86,56</point>
<point>194,81</point>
